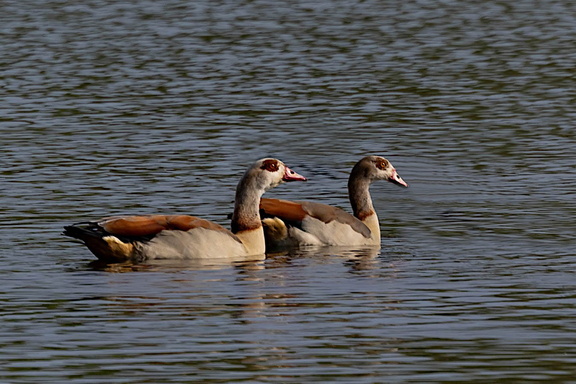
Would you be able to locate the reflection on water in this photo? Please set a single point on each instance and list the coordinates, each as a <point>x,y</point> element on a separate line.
<point>357,258</point>
<point>156,107</point>
<point>167,265</point>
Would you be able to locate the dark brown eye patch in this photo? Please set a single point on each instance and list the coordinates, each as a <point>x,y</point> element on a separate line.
<point>270,165</point>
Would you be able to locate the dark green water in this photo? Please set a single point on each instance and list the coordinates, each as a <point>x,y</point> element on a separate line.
<point>158,107</point>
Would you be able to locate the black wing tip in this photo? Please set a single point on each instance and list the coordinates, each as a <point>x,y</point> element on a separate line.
<point>82,229</point>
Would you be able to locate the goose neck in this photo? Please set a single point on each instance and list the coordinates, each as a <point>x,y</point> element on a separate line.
<point>246,207</point>
<point>360,199</point>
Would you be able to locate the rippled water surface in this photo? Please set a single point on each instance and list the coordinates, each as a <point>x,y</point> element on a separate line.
<point>158,107</point>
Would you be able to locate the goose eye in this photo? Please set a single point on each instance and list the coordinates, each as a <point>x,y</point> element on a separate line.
<point>382,165</point>
<point>270,165</point>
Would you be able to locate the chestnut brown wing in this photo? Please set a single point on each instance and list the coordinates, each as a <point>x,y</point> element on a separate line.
<point>295,211</point>
<point>141,226</point>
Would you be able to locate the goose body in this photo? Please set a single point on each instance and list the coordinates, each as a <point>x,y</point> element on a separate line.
<point>295,223</point>
<point>188,237</point>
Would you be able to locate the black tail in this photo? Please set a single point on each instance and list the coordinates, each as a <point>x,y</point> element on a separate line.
<point>84,230</point>
<point>94,237</point>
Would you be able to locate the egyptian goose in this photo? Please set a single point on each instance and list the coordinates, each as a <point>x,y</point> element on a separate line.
<point>188,237</point>
<point>293,223</point>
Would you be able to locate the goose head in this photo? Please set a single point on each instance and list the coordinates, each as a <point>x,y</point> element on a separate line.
<point>378,168</point>
<point>267,173</point>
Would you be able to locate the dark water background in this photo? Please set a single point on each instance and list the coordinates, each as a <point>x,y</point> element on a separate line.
<point>157,107</point>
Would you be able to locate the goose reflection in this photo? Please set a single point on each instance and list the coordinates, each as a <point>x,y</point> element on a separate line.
<point>248,263</point>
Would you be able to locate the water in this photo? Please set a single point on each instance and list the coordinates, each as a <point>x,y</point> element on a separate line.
<point>158,107</point>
